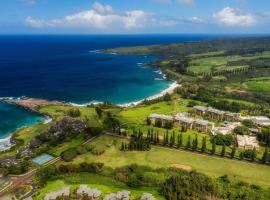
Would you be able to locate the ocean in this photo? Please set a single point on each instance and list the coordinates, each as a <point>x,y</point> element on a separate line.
<point>68,68</point>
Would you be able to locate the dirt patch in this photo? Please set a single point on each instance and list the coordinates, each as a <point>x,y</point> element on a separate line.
<point>183,167</point>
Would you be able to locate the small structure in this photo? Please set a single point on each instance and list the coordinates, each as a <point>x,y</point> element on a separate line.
<point>200,110</point>
<point>226,128</point>
<point>162,118</point>
<point>122,195</point>
<point>84,192</point>
<point>261,121</point>
<point>64,194</point>
<point>231,117</point>
<point>247,142</point>
<point>184,120</point>
<point>8,161</point>
<point>215,113</point>
<point>147,196</point>
<point>203,125</point>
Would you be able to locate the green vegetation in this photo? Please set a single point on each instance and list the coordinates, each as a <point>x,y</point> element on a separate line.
<point>163,157</point>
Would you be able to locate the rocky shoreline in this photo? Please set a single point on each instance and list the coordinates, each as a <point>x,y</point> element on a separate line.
<point>29,103</point>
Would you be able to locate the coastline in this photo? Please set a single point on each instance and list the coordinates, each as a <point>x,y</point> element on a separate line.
<point>168,90</point>
<point>31,103</point>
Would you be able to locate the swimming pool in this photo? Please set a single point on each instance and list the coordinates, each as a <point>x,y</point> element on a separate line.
<point>43,158</point>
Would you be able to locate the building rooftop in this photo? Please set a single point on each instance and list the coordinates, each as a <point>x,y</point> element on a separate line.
<point>261,120</point>
<point>247,141</point>
<point>200,108</point>
<point>203,122</point>
<point>160,116</point>
<point>216,111</point>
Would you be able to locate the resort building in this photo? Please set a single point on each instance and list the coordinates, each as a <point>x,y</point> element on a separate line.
<point>215,114</point>
<point>86,193</point>
<point>261,121</point>
<point>200,110</point>
<point>183,120</point>
<point>63,194</point>
<point>203,125</point>
<point>122,195</point>
<point>247,142</point>
<point>231,117</point>
<point>147,196</point>
<point>162,118</point>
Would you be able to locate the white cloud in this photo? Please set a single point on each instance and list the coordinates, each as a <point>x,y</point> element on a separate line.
<point>233,17</point>
<point>185,2</point>
<point>100,17</point>
<point>195,20</point>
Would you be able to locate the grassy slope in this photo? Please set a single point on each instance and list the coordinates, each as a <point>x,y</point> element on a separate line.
<point>163,157</point>
<point>259,84</point>
<point>205,65</point>
<point>106,185</point>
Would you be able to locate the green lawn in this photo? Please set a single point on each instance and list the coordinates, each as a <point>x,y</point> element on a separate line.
<point>260,85</point>
<point>206,65</point>
<point>159,157</point>
<point>138,115</point>
<point>58,112</point>
<point>106,185</point>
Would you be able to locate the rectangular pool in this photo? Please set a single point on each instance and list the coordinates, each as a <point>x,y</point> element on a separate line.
<point>43,158</point>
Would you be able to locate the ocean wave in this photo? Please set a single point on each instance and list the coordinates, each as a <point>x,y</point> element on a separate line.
<point>47,120</point>
<point>85,104</point>
<point>159,79</point>
<point>170,89</point>
<point>5,143</point>
<point>94,51</point>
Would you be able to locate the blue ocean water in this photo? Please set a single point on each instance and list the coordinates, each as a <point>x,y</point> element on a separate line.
<point>13,117</point>
<point>66,68</point>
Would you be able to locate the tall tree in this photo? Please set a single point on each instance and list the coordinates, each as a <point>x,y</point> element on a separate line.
<point>265,157</point>
<point>213,151</point>
<point>188,142</point>
<point>203,144</point>
<point>223,151</point>
<point>233,151</point>
<point>195,144</point>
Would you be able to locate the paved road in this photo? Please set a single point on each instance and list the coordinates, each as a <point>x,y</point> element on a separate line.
<point>26,178</point>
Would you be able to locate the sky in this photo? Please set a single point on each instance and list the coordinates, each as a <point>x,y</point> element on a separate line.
<point>134,16</point>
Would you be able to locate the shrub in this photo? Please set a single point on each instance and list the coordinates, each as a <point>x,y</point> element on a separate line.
<point>188,186</point>
<point>221,139</point>
<point>250,154</point>
<point>73,112</point>
<point>82,167</point>
<point>81,150</point>
<point>44,174</point>
<point>248,123</point>
<point>241,130</point>
<point>97,151</point>
<point>69,154</point>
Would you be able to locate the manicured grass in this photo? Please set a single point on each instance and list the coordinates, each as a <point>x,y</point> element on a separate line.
<point>139,114</point>
<point>159,157</point>
<point>69,143</point>
<point>106,185</point>
<point>206,65</point>
<point>58,112</point>
<point>259,86</point>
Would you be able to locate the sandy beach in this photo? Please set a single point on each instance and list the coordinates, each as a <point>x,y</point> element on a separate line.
<point>169,90</point>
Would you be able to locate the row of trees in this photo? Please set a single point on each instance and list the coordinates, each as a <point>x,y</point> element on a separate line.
<point>137,143</point>
<point>173,141</point>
